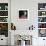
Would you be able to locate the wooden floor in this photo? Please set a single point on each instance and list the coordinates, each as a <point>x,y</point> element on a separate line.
<point>3,45</point>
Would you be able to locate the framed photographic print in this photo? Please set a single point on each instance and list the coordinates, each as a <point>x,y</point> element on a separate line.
<point>23,14</point>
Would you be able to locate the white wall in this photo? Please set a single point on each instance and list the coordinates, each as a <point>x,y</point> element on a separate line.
<point>23,4</point>
<point>32,6</point>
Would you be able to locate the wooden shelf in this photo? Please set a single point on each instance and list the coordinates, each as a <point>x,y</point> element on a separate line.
<point>41,10</point>
<point>42,16</point>
<point>3,10</point>
<point>41,22</point>
<point>3,16</point>
<point>3,22</point>
<point>41,28</point>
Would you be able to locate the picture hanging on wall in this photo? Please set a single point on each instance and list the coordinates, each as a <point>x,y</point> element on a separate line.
<point>23,14</point>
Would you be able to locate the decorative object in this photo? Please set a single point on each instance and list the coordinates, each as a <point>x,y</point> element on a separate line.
<point>23,14</point>
<point>41,13</point>
<point>13,27</point>
<point>42,32</point>
<point>41,19</point>
<point>41,25</point>
<point>27,39</point>
<point>3,6</point>
<point>31,27</point>
<point>6,7</point>
<point>3,13</point>
<point>41,6</point>
<point>3,19</point>
<point>4,29</point>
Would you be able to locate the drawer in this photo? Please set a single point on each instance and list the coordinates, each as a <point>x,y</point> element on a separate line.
<point>3,41</point>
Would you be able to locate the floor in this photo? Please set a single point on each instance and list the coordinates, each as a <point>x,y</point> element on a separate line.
<point>3,45</point>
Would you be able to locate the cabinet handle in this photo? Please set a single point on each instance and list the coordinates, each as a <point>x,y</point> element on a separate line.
<point>43,39</point>
<point>1,39</point>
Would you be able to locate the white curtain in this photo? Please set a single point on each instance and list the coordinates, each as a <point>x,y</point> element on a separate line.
<point>22,43</point>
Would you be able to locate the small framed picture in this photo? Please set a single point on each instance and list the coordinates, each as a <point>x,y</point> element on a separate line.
<point>23,14</point>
